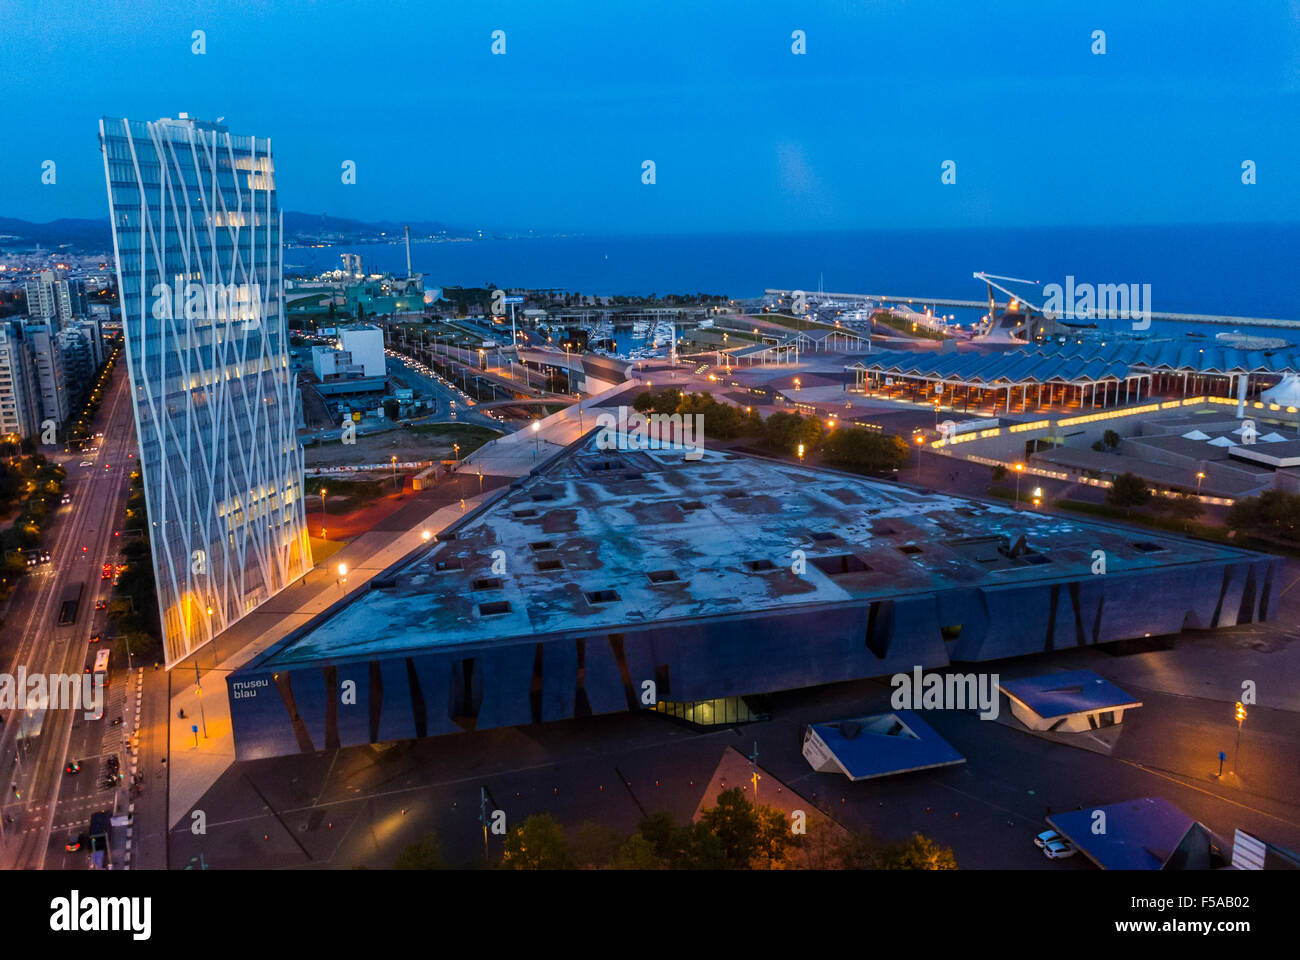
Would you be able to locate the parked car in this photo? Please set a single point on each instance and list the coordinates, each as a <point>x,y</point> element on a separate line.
<point>1046,837</point>
<point>1058,849</point>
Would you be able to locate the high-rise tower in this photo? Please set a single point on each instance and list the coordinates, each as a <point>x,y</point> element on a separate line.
<point>196,234</point>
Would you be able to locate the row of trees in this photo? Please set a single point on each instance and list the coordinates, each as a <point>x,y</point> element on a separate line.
<point>736,834</point>
<point>1129,491</point>
<point>1274,515</point>
<point>30,487</point>
<point>783,432</point>
<point>133,611</point>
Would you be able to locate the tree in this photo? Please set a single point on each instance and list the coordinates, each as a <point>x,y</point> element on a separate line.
<point>752,836</point>
<point>1111,439</point>
<point>537,844</point>
<point>999,473</point>
<point>918,852</point>
<point>1273,514</point>
<point>637,853</point>
<point>424,854</point>
<point>597,845</point>
<point>858,851</point>
<point>1186,506</point>
<point>859,449</point>
<point>1128,491</point>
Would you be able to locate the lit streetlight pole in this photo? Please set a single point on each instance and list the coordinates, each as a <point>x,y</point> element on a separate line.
<point>342,577</point>
<point>1019,468</point>
<point>322,513</point>
<point>1236,753</point>
<point>537,438</point>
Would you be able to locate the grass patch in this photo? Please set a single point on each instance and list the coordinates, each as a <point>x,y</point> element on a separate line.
<point>793,323</point>
<point>905,326</point>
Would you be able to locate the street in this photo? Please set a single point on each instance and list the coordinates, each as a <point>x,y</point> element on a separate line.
<point>80,537</point>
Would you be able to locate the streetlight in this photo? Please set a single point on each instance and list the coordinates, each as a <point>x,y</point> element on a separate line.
<point>342,577</point>
<point>394,462</point>
<point>1019,468</point>
<point>1038,496</point>
<point>1241,718</point>
<point>537,438</point>
<point>1200,475</point>
<point>322,513</point>
<point>800,452</point>
<point>425,535</point>
<point>920,440</point>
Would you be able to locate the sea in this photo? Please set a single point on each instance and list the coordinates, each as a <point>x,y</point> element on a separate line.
<point>1237,270</point>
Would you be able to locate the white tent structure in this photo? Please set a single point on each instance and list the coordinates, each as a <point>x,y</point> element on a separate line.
<point>1196,435</point>
<point>1286,393</point>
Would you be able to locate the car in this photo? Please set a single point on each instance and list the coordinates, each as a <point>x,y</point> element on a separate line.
<point>87,463</point>
<point>74,844</point>
<point>108,783</point>
<point>101,604</point>
<point>1058,849</point>
<point>106,572</point>
<point>72,767</point>
<point>1046,837</point>
<point>96,637</point>
<point>66,499</point>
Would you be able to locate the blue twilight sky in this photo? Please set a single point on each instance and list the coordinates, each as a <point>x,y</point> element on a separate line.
<point>745,135</point>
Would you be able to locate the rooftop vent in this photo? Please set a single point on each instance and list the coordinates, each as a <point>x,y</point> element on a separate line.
<point>839,564</point>
<point>546,495</point>
<point>1146,546</point>
<point>523,514</point>
<point>663,576</point>
<point>493,608</point>
<point>541,545</point>
<point>823,535</point>
<point>910,548</point>
<point>602,596</point>
<point>445,566</point>
<point>487,583</point>
<point>760,566</point>
<point>545,566</point>
<point>691,505</point>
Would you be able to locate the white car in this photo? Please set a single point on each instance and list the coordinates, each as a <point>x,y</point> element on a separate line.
<point>87,463</point>
<point>1058,849</point>
<point>1046,837</point>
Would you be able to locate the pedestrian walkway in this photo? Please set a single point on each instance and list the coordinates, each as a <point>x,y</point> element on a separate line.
<point>198,758</point>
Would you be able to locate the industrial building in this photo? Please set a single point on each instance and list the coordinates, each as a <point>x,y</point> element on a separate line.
<point>611,580</point>
<point>1083,375</point>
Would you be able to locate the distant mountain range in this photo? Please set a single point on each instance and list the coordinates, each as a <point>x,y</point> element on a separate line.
<point>93,236</point>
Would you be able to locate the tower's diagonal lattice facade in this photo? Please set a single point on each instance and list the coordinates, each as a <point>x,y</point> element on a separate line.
<point>196,234</point>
